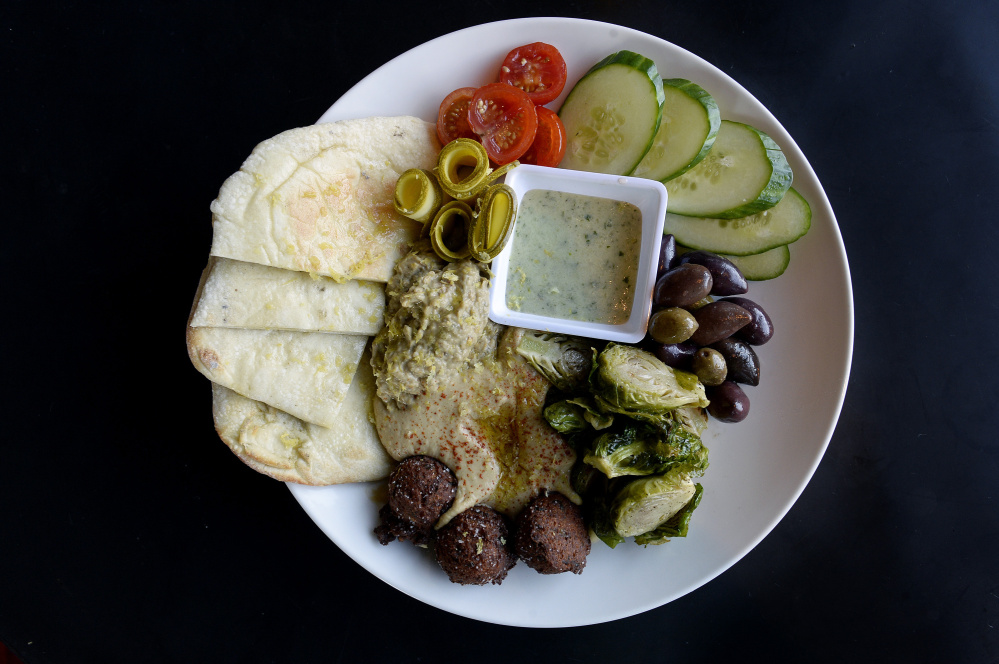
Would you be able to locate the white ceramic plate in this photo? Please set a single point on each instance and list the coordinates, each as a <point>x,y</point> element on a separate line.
<point>758,467</point>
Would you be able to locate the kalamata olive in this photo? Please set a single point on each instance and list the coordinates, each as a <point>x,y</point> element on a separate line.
<point>727,278</point>
<point>672,325</point>
<point>760,329</point>
<point>717,321</point>
<point>710,367</point>
<point>667,254</point>
<point>682,286</point>
<point>678,356</point>
<point>728,402</point>
<point>742,361</point>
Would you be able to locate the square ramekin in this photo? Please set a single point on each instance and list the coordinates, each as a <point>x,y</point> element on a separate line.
<point>649,196</point>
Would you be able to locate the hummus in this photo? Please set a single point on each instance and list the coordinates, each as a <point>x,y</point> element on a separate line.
<point>480,407</point>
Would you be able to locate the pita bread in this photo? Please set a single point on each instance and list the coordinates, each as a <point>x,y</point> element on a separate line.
<point>247,295</point>
<point>305,374</point>
<point>286,448</point>
<point>319,199</point>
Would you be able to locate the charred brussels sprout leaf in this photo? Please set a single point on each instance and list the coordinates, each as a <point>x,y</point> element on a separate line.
<point>640,449</point>
<point>676,525</point>
<point>586,480</point>
<point>636,383</point>
<point>595,417</point>
<point>566,362</point>
<point>602,523</point>
<point>692,419</point>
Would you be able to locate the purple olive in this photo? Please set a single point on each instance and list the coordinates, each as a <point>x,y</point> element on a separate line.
<point>728,280</point>
<point>760,329</point>
<point>678,356</point>
<point>728,402</point>
<point>741,360</point>
<point>682,286</point>
<point>718,320</point>
<point>667,254</point>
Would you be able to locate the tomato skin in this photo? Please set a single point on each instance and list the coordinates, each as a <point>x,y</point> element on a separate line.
<point>452,118</point>
<point>548,147</point>
<point>538,69</point>
<point>505,120</point>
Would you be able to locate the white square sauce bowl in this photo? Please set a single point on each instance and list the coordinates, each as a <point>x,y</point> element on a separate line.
<point>587,269</point>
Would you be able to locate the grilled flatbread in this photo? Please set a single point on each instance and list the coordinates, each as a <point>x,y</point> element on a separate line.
<point>286,448</point>
<point>305,374</point>
<point>251,296</point>
<point>319,199</point>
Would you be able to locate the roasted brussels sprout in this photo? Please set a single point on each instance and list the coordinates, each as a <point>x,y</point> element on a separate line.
<point>566,417</point>
<point>641,449</point>
<point>676,525</point>
<point>647,503</point>
<point>636,383</point>
<point>565,361</point>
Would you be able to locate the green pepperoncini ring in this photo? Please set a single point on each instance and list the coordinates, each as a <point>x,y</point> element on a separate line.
<point>463,168</point>
<point>418,195</point>
<point>493,224</point>
<point>449,231</point>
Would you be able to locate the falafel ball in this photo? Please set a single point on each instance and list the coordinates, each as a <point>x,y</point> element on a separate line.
<point>420,489</point>
<point>551,535</point>
<point>474,547</point>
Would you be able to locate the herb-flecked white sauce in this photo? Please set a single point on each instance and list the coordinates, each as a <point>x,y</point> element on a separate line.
<point>574,257</point>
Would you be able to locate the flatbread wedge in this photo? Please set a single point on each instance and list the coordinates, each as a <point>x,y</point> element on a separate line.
<point>284,447</point>
<point>319,199</point>
<point>305,374</point>
<point>251,296</point>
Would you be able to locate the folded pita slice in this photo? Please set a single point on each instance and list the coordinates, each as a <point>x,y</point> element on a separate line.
<point>305,374</point>
<point>319,199</point>
<point>284,447</point>
<point>252,296</point>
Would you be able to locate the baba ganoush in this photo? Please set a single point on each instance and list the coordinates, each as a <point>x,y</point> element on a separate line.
<point>574,257</point>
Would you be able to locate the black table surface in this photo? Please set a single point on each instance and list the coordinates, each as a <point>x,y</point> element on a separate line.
<point>129,533</point>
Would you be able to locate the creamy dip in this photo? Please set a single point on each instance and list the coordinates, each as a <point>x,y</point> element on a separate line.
<point>574,257</point>
<point>486,424</point>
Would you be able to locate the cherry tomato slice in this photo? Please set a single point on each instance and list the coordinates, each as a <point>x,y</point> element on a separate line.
<point>505,120</point>
<point>452,118</point>
<point>548,147</point>
<point>538,69</point>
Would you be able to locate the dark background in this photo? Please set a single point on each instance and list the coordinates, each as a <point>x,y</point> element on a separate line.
<point>128,533</point>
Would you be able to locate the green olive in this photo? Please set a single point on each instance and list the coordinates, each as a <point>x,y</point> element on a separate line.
<point>672,325</point>
<point>710,367</point>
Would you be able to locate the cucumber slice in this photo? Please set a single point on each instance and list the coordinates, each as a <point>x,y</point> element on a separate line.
<point>767,265</point>
<point>755,267</point>
<point>782,224</point>
<point>612,114</point>
<point>688,129</point>
<point>744,173</point>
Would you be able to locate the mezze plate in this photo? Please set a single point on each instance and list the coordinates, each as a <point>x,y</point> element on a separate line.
<point>758,467</point>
